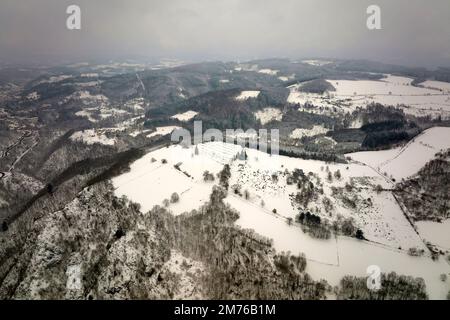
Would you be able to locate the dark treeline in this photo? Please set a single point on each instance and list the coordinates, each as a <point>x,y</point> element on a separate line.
<point>381,126</point>
<point>327,157</point>
<point>318,86</point>
<point>380,139</point>
<point>101,168</point>
<point>392,287</point>
<point>426,195</point>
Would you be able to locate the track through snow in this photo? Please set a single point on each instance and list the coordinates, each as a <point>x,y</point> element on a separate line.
<point>5,153</point>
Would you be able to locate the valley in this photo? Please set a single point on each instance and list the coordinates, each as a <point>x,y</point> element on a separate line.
<point>97,201</point>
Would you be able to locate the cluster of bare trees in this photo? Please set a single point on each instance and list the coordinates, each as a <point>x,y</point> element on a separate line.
<point>393,287</point>
<point>209,235</point>
<point>208,176</point>
<point>314,225</point>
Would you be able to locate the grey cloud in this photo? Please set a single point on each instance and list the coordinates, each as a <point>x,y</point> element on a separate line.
<point>414,32</point>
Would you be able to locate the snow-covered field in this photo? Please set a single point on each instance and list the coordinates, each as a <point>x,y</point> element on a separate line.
<point>91,136</point>
<point>244,95</point>
<point>435,232</point>
<point>102,112</point>
<point>186,116</point>
<point>162,131</point>
<point>316,130</point>
<point>269,72</point>
<point>86,97</point>
<point>33,96</point>
<point>317,63</point>
<point>111,112</point>
<point>86,114</point>
<point>436,85</point>
<point>391,90</point>
<point>285,238</point>
<point>406,161</point>
<point>382,220</point>
<point>98,105</point>
<point>334,258</point>
<point>89,83</point>
<point>135,133</point>
<point>136,105</point>
<point>286,78</point>
<point>268,114</point>
<point>150,181</point>
<point>89,75</point>
<point>130,122</point>
<point>355,257</point>
<point>54,79</point>
<point>246,67</point>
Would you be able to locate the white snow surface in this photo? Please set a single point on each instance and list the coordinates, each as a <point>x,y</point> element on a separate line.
<point>317,63</point>
<point>33,96</point>
<point>244,95</point>
<point>403,162</point>
<point>91,136</point>
<point>86,95</point>
<point>163,131</point>
<point>286,78</point>
<point>269,114</point>
<point>186,116</point>
<point>355,257</point>
<point>89,75</point>
<point>386,228</point>
<point>54,79</point>
<point>435,232</point>
<point>316,130</point>
<point>269,72</point>
<point>89,83</point>
<point>135,133</point>
<point>391,90</point>
<point>86,114</point>
<point>436,85</point>
<point>149,183</point>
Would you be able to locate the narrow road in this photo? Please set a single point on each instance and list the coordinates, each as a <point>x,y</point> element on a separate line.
<point>22,155</point>
<point>140,81</point>
<point>5,153</point>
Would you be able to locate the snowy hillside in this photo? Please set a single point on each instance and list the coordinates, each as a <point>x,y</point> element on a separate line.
<point>98,202</point>
<point>391,90</point>
<point>266,201</point>
<point>401,163</point>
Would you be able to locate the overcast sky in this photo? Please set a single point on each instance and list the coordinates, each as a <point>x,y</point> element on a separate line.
<point>414,32</point>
